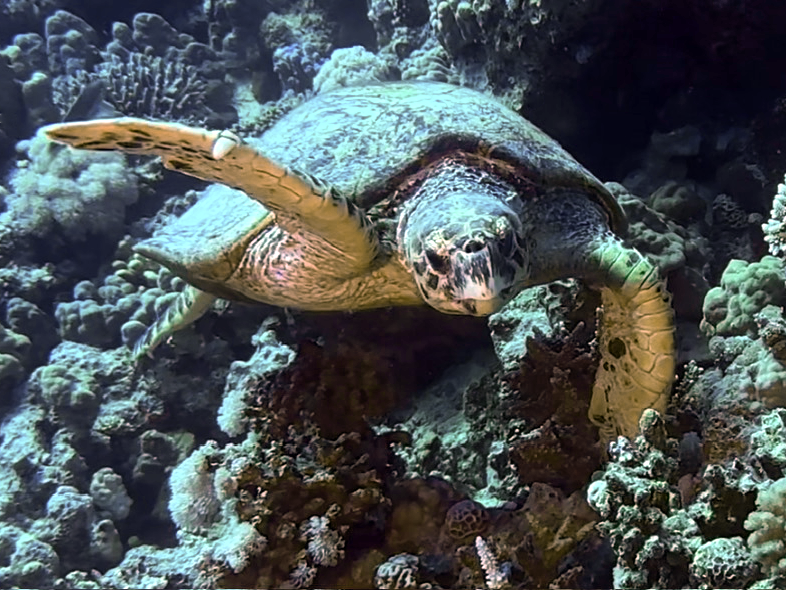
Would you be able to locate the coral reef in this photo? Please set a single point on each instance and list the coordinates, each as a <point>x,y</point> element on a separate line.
<point>744,291</point>
<point>774,231</point>
<point>61,189</point>
<point>768,529</point>
<point>263,447</point>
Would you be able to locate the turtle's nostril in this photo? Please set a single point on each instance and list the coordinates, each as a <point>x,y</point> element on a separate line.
<point>473,246</point>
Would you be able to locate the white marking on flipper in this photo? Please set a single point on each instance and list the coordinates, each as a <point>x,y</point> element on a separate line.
<point>225,143</point>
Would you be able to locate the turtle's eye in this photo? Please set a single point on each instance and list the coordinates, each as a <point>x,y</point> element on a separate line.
<point>438,262</point>
<point>473,245</point>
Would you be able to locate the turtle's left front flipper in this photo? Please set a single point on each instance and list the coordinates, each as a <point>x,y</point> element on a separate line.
<point>300,203</point>
<point>636,340</point>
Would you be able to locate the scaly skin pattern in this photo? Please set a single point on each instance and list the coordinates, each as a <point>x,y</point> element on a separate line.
<point>189,306</point>
<point>294,270</point>
<point>636,341</point>
<point>321,255</point>
<point>459,235</point>
<point>567,235</point>
<point>300,202</point>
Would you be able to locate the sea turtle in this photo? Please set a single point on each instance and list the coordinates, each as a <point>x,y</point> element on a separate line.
<point>399,194</point>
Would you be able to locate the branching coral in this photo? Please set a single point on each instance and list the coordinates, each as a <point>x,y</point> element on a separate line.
<point>775,227</point>
<point>767,541</point>
<point>149,86</point>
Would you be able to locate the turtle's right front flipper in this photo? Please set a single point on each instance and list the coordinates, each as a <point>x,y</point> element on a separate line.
<point>300,203</point>
<point>571,238</point>
<point>190,304</point>
<point>636,340</point>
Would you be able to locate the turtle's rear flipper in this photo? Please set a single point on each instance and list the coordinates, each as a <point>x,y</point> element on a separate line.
<point>299,202</point>
<point>190,304</point>
<point>636,341</point>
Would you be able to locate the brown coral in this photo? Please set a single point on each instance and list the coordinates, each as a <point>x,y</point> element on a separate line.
<point>352,368</point>
<point>466,520</point>
<point>555,381</point>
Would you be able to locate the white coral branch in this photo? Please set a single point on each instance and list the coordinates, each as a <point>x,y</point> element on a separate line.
<point>775,227</point>
<point>496,577</point>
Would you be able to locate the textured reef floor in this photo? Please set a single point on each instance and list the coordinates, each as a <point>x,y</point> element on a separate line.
<point>398,448</point>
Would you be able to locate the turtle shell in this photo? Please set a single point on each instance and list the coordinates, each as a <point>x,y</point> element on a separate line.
<point>367,140</point>
<point>205,248</point>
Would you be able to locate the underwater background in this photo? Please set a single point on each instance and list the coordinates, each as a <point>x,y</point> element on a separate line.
<point>397,448</point>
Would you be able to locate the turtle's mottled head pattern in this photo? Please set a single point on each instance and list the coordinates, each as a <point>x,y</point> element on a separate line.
<point>463,243</point>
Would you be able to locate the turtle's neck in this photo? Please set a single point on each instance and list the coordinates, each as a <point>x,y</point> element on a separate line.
<point>564,228</point>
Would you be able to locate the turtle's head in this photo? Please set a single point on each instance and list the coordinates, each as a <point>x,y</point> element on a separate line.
<point>464,251</point>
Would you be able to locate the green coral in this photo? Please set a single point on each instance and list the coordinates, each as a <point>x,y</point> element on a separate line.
<point>653,539</point>
<point>768,440</point>
<point>78,192</point>
<point>678,201</point>
<point>767,541</point>
<point>352,66</point>
<point>14,350</point>
<point>745,290</point>
<point>722,563</point>
<point>753,372</point>
<point>662,241</point>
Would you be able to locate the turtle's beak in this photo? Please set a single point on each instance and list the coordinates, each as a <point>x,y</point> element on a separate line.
<point>482,307</point>
<point>480,293</point>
